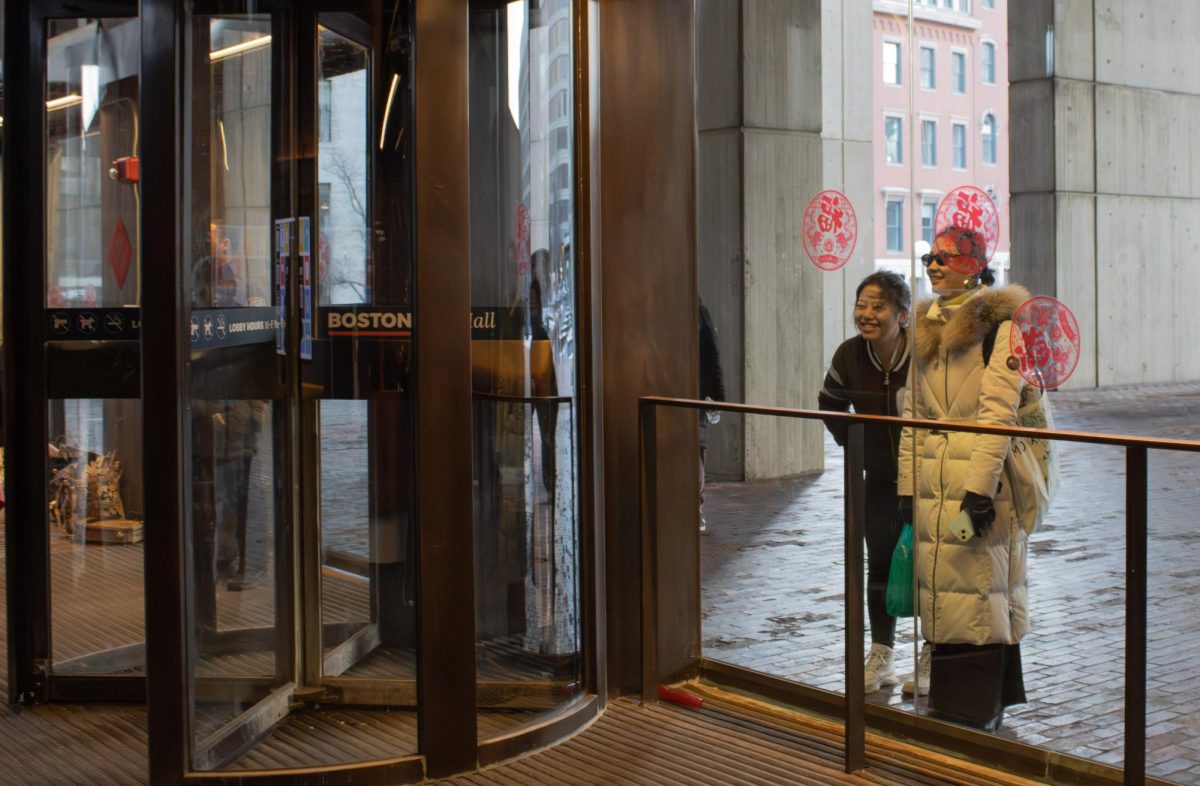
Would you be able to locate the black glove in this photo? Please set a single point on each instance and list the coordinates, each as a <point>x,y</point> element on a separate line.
<point>905,510</point>
<point>981,511</point>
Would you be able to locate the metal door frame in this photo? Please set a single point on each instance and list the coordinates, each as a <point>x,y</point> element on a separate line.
<point>30,665</point>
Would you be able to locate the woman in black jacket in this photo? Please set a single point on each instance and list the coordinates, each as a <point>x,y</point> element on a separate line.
<point>867,374</point>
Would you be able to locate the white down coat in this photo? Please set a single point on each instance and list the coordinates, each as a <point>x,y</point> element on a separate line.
<point>971,592</point>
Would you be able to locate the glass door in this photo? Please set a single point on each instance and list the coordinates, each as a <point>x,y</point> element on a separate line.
<point>241,241</point>
<point>360,369</point>
<point>300,532</point>
<point>75,540</point>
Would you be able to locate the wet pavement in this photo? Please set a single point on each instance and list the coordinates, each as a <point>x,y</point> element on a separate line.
<point>773,585</point>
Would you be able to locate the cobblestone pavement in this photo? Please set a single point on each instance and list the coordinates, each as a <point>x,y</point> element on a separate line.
<point>773,585</point>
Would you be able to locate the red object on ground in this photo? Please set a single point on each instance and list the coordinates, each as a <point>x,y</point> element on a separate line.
<point>676,696</point>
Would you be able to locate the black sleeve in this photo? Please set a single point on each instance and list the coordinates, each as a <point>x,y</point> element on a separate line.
<point>834,395</point>
<point>712,379</point>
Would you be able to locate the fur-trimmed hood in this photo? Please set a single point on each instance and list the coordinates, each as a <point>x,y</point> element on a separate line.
<point>968,323</point>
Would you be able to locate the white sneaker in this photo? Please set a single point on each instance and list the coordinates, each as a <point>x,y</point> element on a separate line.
<point>924,667</point>
<point>880,670</point>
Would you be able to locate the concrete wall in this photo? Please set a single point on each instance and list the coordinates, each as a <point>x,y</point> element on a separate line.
<point>774,129</point>
<point>1106,175</point>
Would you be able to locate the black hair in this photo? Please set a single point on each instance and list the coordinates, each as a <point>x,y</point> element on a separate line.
<point>987,276</point>
<point>892,285</point>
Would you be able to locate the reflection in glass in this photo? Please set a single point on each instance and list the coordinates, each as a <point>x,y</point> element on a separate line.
<point>343,163</point>
<point>95,512</point>
<point>362,425</point>
<point>522,296</point>
<point>94,417</point>
<point>237,643</point>
<point>368,576</point>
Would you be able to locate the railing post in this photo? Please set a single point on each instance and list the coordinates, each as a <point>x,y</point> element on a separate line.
<point>648,460</point>
<point>855,701</point>
<point>1135,615</point>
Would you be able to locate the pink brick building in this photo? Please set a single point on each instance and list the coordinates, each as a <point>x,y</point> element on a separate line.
<point>959,90</point>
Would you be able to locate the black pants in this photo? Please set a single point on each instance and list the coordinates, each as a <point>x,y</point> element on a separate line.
<point>882,532</point>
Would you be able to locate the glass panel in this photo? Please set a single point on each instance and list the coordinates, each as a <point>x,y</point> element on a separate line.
<point>240,633</point>
<point>343,165</point>
<point>1173,622</point>
<point>1110,239</point>
<point>362,365</point>
<point>933,485</point>
<point>93,265</point>
<point>523,312</point>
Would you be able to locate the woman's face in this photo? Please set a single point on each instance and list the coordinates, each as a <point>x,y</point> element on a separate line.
<point>942,278</point>
<point>875,316</point>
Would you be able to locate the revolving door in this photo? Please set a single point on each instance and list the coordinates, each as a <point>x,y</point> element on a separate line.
<point>293,306</point>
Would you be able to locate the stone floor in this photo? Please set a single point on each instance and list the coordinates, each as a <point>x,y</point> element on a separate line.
<point>773,577</point>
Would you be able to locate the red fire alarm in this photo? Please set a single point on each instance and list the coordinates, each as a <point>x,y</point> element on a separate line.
<point>126,169</point>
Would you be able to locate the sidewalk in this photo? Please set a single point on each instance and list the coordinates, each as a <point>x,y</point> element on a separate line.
<point>773,585</point>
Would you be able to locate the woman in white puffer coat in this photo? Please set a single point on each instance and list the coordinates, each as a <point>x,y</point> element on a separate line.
<point>973,599</point>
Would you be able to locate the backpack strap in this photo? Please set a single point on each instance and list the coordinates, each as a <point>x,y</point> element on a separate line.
<point>989,343</point>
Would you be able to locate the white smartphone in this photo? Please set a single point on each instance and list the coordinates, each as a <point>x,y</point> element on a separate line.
<point>962,527</point>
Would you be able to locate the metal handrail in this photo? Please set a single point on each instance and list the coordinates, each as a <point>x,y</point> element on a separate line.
<point>854,702</point>
<point>921,423</point>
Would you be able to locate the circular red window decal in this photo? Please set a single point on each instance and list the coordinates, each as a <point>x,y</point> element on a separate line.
<point>830,230</point>
<point>1045,341</point>
<point>972,210</point>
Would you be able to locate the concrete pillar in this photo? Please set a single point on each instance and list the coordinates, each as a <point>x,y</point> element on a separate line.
<point>1105,179</point>
<point>775,129</point>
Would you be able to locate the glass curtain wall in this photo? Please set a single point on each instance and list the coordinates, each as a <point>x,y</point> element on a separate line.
<point>523,356</point>
<point>1032,197</point>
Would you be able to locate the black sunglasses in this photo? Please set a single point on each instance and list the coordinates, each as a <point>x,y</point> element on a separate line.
<point>929,259</point>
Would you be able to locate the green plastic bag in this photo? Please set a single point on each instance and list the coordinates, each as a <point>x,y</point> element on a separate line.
<point>899,597</point>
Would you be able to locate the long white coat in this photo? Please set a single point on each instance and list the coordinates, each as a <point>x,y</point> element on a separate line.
<point>972,592</point>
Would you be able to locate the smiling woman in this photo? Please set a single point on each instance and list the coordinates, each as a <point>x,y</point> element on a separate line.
<point>866,374</point>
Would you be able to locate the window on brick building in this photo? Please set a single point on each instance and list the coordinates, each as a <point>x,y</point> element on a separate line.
<point>891,63</point>
<point>893,134</point>
<point>989,139</point>
<point>895,225</point>
<point>928,143</point>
